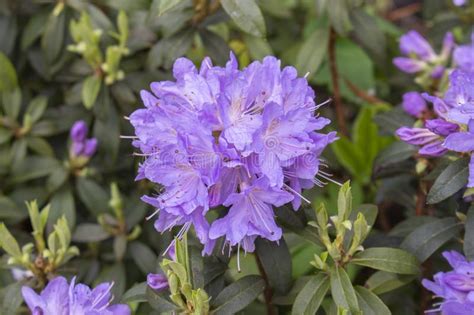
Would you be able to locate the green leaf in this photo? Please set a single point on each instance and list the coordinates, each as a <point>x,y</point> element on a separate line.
<point>90,90</point>
<point>40,146</point>
<point>238,295</point>
<point>427,238</point>
<point>33,167</point>
<point>247,15</point>
<point>258,47</point>
<point>116,274</point>
<point>33,29</point>
<point>469,235</point>
<point>309,299</point>
<point>8,78</point>
<point>450,181</point>
<point>137,293</point>
<point>339,16</point>
<point>387,259</point>
<point>92,195</point>
<point>36,108</point>
<point>12,298</point>
<point>11,100</point>
<point>368,34</point>
<point>394,153</point>
<point>89,232</point>
<point>312,52</point>
<point>215,46</point>
<point>9,210</point>
<point>342,290</point>
<point>53,36</point>
<point>344,201</point>
<point>370,304</point>
<point>62,203</point>
<point>143,256</point>
<point>167,5</point>
<point>349,155</point>
<point>159,301</point>
<point>8,242</point>
<point>276,261</point>
<point>196,263</point>
<point>382,282</point>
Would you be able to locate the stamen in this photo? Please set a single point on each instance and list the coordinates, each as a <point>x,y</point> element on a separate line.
<point>168,248</point>
<point>152,215</point>
<point>128,137</point>
<point>238,257</point>
<point>330,179</point>
<point>306,75</point>
<point>126,117</point>
<point>296,193</point>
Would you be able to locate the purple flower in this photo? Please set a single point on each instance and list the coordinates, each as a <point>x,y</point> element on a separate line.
<point>456,287</point>
<point>413,43</point>
<point>464,56</point>
<point>409,65</point>
<point>459,2</point>
<point>157,281</point>
<point>431,143</point>
<point>463,142</point>
<point>223,136</point>
<point>78,131</point>
<point>81,146</point>
<point>414,104</point>
<point>61,298</point>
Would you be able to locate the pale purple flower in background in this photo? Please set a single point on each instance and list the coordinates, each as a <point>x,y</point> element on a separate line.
<point>81,146</point>
<point>61,298</point>
<point>157,281</point>
<point>413,43</point>
<point>419,55</point>
<point>223,136</point>
<point>459,2</point>
<point>455,287</point>
<point>464,56</point>
<point>414,104</point>
<point>430,143</point>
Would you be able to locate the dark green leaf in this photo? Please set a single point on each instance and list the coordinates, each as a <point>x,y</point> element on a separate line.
<point>395,153</point>
<point>469,235</point>
<point>216,46</point>
<point>137,293</point>
<point>62,203</point>
<point>36,108</point>
<point>12,298</point>
<point>276,261</point>
<point>167,5</point>
<point>339,15</point>
<point>92,195</point>
<point>33,29</point>
<point>368,34</point>
<point>247,15</point>
<point>89,232</point>
<point>159,301</point>
<point>143,256</point>
<point>370,304</point>
<point>387,259</point>
<point>33,167</point>
<point>309,299</point>
<point>312,52</point>
<point>53,36</point>
<point>342,290</point>
<point>426,239</point>
<point>382,282</point>
<point>450,181</point>
<point>40,146</point>
<point>238,295</point>
<point>116,274</point>
<point>196,263</point>
<point>8,78</point>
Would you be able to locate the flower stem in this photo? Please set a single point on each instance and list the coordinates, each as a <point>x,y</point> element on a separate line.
<point>267,293</point>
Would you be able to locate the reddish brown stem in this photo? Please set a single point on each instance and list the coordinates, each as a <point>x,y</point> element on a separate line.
<point>267,293</point>
<point>403,12</point>
<point>341,122</point>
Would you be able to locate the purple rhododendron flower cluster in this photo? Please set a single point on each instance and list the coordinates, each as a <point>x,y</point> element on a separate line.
<point>455,287</point>
<point>245,139</point>
<point>450,126</point>
<point>61,298</point>
<point>81,145</point>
